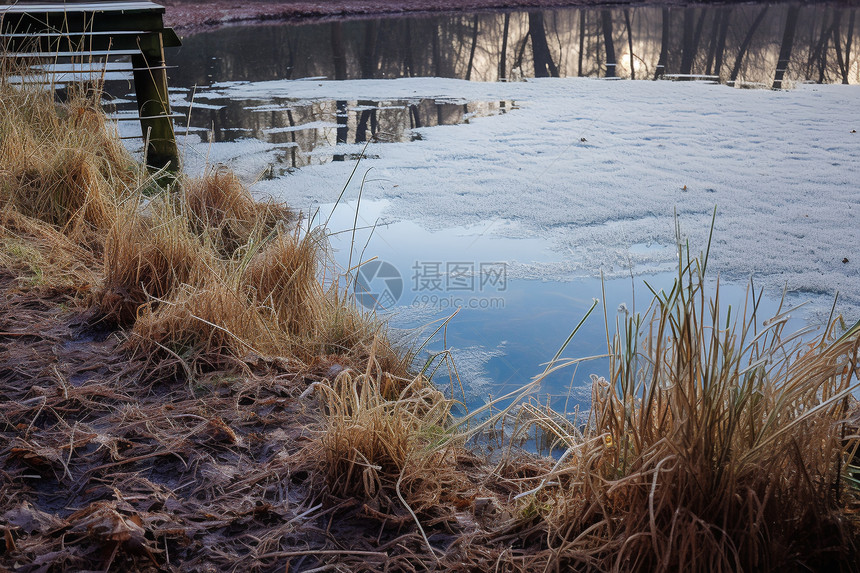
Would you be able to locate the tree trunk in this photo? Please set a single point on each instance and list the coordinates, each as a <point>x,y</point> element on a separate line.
<point>692,36</point>
<point>664,46</point>
<point>844,61</point>
<point>437,56</point>
<point>408,60</point>
<point>472,51</point>
<point>786,46</point>
<point>712,45</point>
<point>503,59</point>
<point>338,51</point>
<point>818,56</point>
<point>606,20</point>
<point>543,64</point>
<point>368,57</point>
<point>582,14</point>
<point>726,14</point>
<point>629,41</point>
<point>518,61</point>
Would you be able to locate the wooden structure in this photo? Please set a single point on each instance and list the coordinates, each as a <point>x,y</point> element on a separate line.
<point>92,32</point>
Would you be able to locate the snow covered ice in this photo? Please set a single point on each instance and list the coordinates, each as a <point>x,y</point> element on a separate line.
<point>592,173</point>
<point>598,169</point>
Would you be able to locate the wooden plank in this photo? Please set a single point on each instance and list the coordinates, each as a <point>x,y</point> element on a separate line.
<point>72,7</point>
<point>170,39</point>
<point>40,20</point>
<point>78,67</point>
<point>74,42</point>
<point>76,54</point>
<point>67,34</point>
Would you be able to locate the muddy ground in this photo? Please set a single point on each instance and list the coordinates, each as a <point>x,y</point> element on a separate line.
<point>116,461</point>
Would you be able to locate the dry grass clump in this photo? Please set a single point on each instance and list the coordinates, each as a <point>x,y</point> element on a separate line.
<point>66,189</point>
<point>205,323</point>
<point>65,166</point>
<point>147,254</point>
<point>283,277</point>
<point>220,208</point>
<point>61,163</point>
<point>715,444</point>
<point>387,452</point>
<point>40,256</point>
<point>347,330</point>
<point>267,296</point>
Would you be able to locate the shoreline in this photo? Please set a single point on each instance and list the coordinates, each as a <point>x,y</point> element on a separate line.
<point>195,16</point>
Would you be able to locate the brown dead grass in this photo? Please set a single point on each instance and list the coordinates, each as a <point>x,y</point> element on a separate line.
<point>63,165</point>
<point>372,442</point>
<point>204,323</point>
<point>148,254</point>
<point>41,256</point>
<point>713,445</point>
<point>221,210</point>
<point>357,335</point>
<point>282,277</point>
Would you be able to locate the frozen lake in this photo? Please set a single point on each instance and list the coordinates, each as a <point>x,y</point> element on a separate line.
<point>509,199</point>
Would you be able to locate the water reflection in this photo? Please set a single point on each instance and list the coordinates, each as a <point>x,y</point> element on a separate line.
<point>310,132</point>
<point>744,45</point>
<point>768,45</point>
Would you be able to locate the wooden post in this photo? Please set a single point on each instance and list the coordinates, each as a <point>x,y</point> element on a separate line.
<point>153,104</point>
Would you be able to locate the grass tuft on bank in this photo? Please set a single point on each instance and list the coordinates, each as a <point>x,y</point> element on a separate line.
<point>717,441</point>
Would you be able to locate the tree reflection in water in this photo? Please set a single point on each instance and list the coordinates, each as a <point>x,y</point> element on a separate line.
<point>760,44</point>
<point>741,45</point>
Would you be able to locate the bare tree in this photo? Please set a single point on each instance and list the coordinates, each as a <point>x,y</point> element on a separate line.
<point>504,55</point>
<point>369,56</point>
<point>692,36</point>
<point>844,61</point>
<point>338,51</point>
<point>664,44</point>
<point>408,60</point>
<point>582,15</point>
<point>725,15</point>
<point>472,51</point>
<point>629,41</point>
<point>736,69</point>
